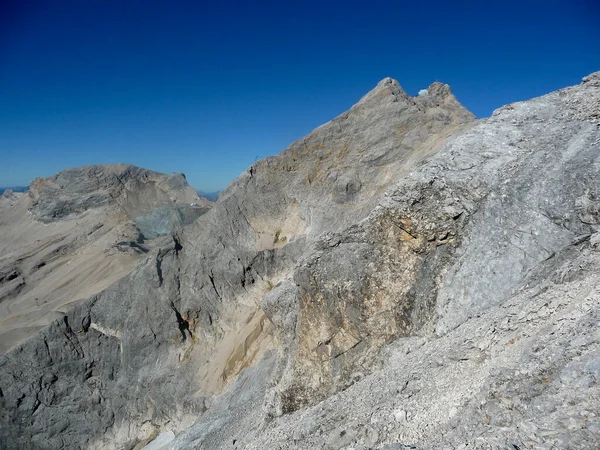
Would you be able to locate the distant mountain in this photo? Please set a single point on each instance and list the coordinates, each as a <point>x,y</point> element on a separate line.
<point>91,226</point>
<point>14,188</point>
<point>212,196</point>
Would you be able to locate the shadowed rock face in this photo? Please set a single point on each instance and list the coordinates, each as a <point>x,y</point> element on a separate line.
<point>401,225</point>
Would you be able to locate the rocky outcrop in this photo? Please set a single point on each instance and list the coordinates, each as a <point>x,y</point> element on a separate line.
<point>387,280</point>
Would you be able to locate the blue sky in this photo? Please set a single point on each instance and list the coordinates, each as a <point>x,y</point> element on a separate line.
<point>207,87</point>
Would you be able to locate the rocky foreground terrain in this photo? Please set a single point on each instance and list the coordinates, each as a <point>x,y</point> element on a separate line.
<point>74,234</point>
<point>403,277</point>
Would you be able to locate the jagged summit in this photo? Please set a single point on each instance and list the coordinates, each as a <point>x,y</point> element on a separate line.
<point>387,90</point>
<point>335,174</point>
<point>438,100</point>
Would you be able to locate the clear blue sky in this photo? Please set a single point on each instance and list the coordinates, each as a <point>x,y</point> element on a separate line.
<point>205,87</point>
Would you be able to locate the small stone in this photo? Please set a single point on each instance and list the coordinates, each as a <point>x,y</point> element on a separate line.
<point>400,416</point>
<point>452,211</point>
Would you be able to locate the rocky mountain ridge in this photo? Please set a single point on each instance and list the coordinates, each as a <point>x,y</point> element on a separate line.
<point>383,283</point>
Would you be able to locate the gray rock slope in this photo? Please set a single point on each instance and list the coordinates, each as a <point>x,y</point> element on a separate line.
<point>403,276</point>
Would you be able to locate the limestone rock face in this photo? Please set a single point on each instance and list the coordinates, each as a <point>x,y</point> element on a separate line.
<point>402,277</point>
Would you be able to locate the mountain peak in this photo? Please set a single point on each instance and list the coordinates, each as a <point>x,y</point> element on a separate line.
<point>387,90</point>
<point>439,95</point>
<point>438,89</point>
